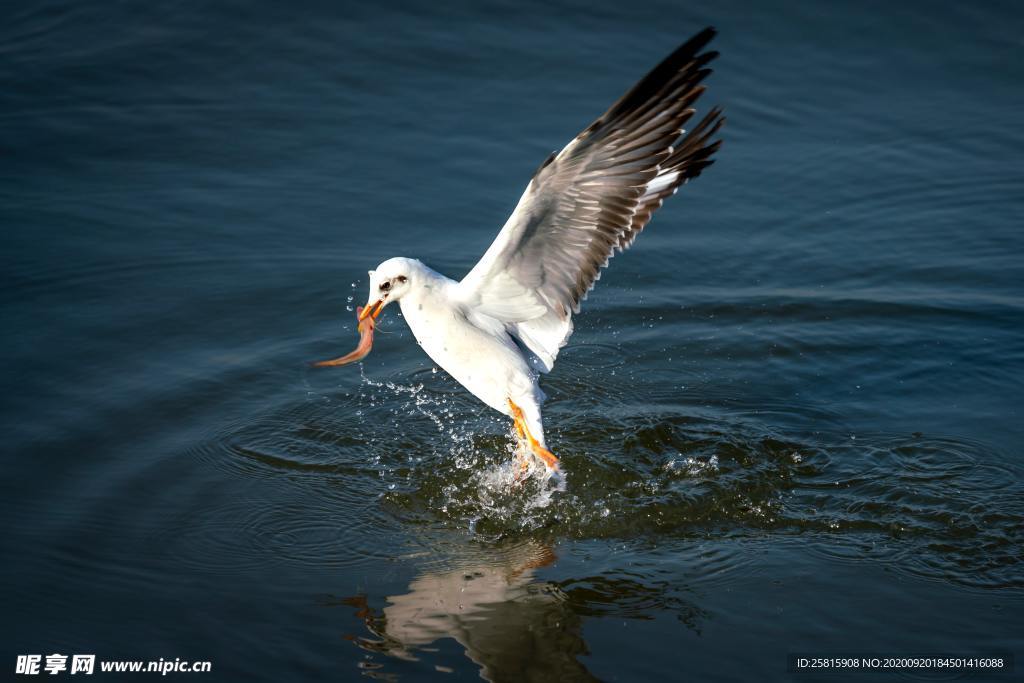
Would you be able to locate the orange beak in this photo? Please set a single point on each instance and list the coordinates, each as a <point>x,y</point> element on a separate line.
<point>373,310</point>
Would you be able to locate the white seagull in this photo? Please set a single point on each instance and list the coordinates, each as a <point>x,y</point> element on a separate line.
<point>502,325</point>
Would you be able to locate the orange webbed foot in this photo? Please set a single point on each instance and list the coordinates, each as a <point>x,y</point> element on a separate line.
<point>546,456</point>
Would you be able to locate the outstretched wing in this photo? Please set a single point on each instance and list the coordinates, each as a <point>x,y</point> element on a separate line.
<point>592,199</point>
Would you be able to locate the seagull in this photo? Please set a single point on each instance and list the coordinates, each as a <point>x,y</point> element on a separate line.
<point>501,327</point>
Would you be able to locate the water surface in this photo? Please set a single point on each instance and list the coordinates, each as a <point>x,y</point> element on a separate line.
<point>790,415</point>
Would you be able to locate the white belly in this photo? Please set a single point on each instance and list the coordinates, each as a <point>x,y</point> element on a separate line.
<point>488,364</point>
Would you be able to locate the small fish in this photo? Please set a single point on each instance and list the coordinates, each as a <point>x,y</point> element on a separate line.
<point>366,325</point>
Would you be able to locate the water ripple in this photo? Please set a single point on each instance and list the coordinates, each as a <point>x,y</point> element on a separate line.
<point>942,507</point>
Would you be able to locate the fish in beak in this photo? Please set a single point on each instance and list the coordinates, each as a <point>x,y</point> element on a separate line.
<point>367,322</point>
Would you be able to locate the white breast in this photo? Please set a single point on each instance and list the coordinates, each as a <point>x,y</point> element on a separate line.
<point>487,362</point>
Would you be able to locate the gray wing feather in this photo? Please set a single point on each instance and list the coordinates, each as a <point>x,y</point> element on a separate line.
<point>594,197</point>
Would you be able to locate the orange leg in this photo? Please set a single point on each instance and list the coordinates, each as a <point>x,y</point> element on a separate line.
<point>524,433</point>
<point>524,464</point>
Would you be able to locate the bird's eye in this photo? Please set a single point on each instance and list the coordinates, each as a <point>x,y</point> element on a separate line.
<point>402,278</point>
<point>385,286</point>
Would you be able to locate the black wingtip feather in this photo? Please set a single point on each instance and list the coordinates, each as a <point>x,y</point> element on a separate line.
<point>670,68</point>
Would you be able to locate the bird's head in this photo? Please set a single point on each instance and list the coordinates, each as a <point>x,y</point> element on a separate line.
<point>392,280</point>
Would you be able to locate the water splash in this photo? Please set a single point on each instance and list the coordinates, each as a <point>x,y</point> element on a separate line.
<point>426,454</point>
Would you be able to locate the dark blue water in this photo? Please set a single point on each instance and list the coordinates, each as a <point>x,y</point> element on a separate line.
<point>791,415</point>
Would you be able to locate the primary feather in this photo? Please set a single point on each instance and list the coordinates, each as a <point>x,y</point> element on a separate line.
<point>591,200</point>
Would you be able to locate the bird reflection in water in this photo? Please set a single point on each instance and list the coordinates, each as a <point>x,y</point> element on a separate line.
<point>511,626</point>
